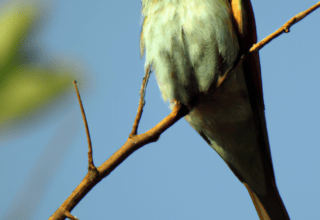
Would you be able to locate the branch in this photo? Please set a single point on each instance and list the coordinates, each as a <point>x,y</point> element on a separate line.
<point>131,145</point>
<point>135,141</point>
<point>284,29</point>
<point>90,159</point>
<point>141,102</point>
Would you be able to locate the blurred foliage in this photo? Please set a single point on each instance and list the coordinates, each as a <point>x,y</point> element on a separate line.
<point>29,84</point>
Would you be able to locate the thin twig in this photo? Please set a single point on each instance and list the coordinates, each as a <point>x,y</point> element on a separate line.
<point>284,29</point>
<point>142,102</point>
<point>68,215</point>
<point>90,158</point>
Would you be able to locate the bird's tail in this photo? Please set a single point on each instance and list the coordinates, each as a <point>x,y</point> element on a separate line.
<point>269,207</point>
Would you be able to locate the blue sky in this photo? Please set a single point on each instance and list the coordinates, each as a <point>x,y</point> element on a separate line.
<point>179,176</point>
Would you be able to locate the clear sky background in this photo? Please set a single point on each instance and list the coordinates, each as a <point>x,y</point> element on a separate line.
<point>179,176</point>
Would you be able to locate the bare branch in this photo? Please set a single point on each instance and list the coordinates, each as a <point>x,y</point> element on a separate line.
<point>284,29</point>
<point>131,145</point>
<point>90,159</point>
<point>141,102</point>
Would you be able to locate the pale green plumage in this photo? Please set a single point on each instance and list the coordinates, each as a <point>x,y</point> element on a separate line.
<point>188,59</point>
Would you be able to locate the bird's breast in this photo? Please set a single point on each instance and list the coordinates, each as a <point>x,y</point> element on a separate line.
<point>189,43</point>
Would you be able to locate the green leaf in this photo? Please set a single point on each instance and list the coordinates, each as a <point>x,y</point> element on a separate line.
<point>15,25</point>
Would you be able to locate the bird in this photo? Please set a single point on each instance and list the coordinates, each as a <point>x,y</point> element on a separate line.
<point>193,46</point>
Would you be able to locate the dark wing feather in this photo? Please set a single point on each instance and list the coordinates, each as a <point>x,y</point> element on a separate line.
<point>270,203</point>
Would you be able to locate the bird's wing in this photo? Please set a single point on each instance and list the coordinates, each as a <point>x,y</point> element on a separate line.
<point>269,206</point>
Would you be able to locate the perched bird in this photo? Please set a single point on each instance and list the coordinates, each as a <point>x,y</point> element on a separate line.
<point>193,45</point>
